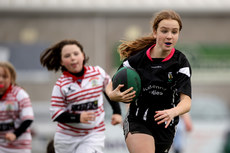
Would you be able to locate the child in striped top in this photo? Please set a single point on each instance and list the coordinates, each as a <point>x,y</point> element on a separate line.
<point>77,99</point>
<point>16,113</point>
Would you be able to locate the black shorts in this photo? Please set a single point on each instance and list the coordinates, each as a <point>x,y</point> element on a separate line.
<point>163,136</point>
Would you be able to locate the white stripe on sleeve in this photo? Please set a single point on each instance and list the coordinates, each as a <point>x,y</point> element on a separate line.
<point>185,70</point>
<point>126,64</point>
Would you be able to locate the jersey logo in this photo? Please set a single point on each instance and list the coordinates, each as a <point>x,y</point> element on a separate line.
<point>94,81</point>
<point>9,105</point>
<point>170,77</point>
<point>70,89</point>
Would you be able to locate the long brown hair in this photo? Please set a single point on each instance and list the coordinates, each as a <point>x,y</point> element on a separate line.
<point>51,57</point>
<point>129,48</point>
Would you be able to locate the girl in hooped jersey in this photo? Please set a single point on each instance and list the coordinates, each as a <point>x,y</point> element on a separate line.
<point>16,113</point>
<point>77,99</point>
<point>166,87</point>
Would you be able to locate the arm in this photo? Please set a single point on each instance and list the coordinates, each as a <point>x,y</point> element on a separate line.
<point>115,106</point>
<point>187,121</point>
<point>68,118</point>
<point>117,95</point>
<point>26,112</point>
<point>11,136</point>
<point>183,106</point>
<point>84,117</point>
<point>166,116</point>
<point>116,117</point>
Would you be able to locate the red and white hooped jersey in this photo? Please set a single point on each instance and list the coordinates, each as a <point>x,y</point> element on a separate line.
<point>15,107</point>
<point>73,97</point>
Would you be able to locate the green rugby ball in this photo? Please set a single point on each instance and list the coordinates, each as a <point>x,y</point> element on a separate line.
<point>129,78</point>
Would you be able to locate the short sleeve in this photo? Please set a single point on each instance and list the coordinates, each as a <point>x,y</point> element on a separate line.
<point>184,77</point>
<point>57,105</point>
<point>26,110</point>
<point>105,76</point>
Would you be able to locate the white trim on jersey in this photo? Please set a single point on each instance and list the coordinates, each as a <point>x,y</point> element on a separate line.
<point>126,64</point>
<point>185,70</point>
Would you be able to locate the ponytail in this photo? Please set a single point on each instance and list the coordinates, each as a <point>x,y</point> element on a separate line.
<point>129,48</point>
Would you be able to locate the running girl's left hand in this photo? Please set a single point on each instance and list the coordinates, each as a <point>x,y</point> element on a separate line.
<point>164,116</point>
<point>116,119</point>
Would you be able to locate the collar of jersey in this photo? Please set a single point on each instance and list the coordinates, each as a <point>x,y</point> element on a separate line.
<point>165,59</point>
<point>7,90</point>
<point>66,73</point>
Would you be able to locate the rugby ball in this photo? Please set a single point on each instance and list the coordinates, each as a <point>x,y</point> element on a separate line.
<point>129,78</point>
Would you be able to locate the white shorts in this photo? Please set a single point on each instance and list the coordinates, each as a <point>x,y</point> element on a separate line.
<point>91,143</point>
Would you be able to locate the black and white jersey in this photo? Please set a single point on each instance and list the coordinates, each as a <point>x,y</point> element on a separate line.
<point>162,81</point>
